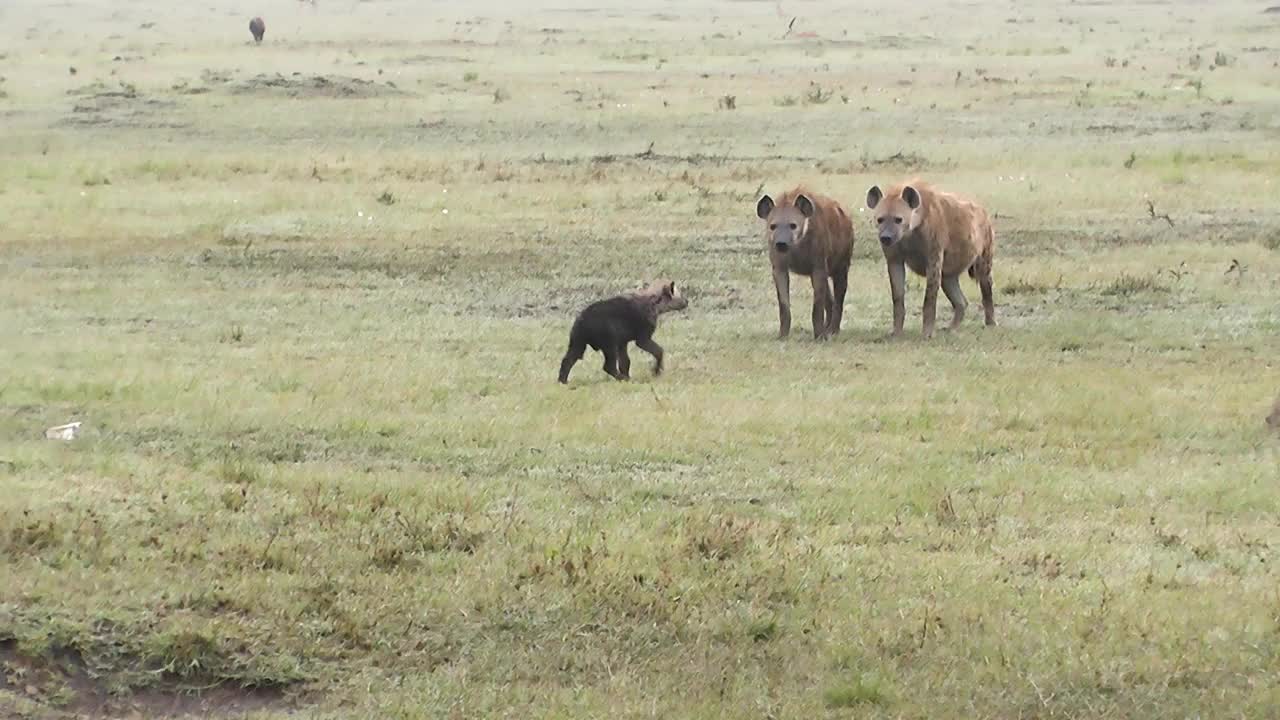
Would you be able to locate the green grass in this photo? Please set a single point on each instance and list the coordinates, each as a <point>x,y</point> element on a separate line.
<point>312,329</point>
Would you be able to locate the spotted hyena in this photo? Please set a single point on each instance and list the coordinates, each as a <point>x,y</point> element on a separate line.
<point>609,325</point>
<point>939,236</point>
<point>810,235</point>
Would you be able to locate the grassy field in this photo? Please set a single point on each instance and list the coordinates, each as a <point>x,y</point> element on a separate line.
<point>309,299</point>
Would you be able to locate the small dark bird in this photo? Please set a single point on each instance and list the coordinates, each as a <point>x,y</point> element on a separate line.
<point>608,325</point>
<point>258,28</point>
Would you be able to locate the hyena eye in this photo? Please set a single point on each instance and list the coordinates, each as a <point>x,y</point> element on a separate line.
<point>881,220</point>
<point>897,221</point>
<point>773,226</point>
<point>793,226</point>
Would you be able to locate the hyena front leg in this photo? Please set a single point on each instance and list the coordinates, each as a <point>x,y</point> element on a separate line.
<point>654,349</point>
<point>822,303</point>
<point>610,351</point>
<point>624,362</point>
<point>932,280</point>
<point>840,285</point>
<point>782,284</point>
<point>898,288</point>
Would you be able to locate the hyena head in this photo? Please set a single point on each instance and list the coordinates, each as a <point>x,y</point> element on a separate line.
<point>787,223</point>
<point>895,215</point>
<point>663,296</point>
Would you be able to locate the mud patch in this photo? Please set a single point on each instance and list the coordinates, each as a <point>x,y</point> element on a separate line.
<point>314,86</point>
<point>63,685</point>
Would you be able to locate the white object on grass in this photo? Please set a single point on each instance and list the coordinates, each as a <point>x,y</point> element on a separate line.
<point>63,432</point>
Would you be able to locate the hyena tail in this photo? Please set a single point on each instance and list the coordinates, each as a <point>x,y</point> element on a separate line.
<point>985,257</point>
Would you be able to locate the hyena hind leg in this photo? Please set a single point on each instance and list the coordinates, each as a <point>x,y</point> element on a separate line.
<point>981,272</point>
<point>951,286</point>
<point>571,357</point>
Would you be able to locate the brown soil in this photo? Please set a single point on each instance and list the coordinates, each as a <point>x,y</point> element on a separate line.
<point>63,687</point>
<point>98,105</point>
<point>317,86</point>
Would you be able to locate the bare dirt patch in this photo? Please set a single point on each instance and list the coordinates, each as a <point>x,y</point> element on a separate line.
<point>317,86</point>
<point>99,105</point>
<point>63,684</point>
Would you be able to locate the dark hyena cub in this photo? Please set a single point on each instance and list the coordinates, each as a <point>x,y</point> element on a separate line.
<point>608,325</point>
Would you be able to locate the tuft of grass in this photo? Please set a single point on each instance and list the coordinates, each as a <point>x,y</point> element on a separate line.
<point>1025,286</point>
<point>1127,285</point>
<point>762,630</point>
<point>865,690</point>
<point>817,95</point>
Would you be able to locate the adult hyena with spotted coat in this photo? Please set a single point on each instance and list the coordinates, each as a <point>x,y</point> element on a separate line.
<point>940,236</point>
<point>809,235</point>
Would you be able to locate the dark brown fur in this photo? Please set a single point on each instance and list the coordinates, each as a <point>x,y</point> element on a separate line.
<point>608,325</point>
<point>809,234</point>
<point>939,236</point>
<point>258,28</point>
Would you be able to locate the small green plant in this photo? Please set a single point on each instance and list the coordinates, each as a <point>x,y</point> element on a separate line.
<point>786,101</point>
<point>470,76</point>
<point>386,198</point>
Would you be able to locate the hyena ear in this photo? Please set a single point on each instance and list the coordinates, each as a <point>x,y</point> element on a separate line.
<point>874,196</point>
<point>804,205</point>
<point>669,290</point>
<point>764,207</point>
<point>911,196</point>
